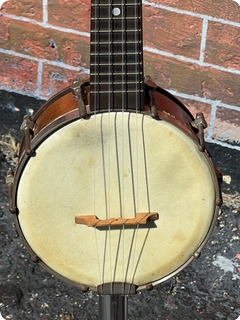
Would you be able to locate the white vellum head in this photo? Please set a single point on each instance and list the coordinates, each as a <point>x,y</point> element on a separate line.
<point>116,165</point>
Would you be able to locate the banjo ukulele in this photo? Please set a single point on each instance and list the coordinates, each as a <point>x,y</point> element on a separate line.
<point>114,191</point>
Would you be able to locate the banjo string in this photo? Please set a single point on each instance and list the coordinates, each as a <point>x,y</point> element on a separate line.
<point>145,166</point>
<point>107,252</point>
<point>96,101</point>
<point>133,199</point>
<point>120,186</point>
<point>124,104</point>
<point>147,199</point>
<point>110,100</point>
<point>106,201</point>
<point>135,174</point>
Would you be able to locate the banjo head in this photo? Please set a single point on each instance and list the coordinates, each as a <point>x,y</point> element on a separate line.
<point>116,165</point>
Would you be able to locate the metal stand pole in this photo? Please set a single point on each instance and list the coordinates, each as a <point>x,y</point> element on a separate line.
<point>113,307</point>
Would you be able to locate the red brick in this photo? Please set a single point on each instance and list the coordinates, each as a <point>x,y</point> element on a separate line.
<point>224,9</point>
<point>164,30</point>
<point>18,73</point>
<point>44,43</point>
<point>223,43</point>
<point>56,78</point>
<point>172,32</point>
<point>71,14</point>
<point>227,126</point>
<point>4,30</point>
<point>30,9</point>
<point>193,79</point>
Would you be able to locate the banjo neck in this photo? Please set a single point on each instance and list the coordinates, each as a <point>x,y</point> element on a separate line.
<point>116,55</point>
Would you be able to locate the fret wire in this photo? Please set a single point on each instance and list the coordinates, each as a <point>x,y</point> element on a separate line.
<point>115,4</point>
<point>117,91</point>
<point>116,18</point>
<point>115,42</point>
<point>112,53</point>
<point>115,31</point>
<point>116,64</point>
<point>115,73</point>
<point>106,31</point>
<point>116,82</point>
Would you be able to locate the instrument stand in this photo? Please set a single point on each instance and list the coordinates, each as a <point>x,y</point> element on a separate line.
<point>113,307</point>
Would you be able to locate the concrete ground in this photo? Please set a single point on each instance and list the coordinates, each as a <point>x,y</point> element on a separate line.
<point>208,288</point>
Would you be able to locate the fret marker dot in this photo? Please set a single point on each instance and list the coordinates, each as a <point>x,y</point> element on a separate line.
<point>116,11</point>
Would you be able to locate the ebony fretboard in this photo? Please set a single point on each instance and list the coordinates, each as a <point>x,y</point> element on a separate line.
<point>116,64</point>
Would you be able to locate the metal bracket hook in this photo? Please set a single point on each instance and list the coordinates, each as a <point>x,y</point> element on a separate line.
<point>27,126</point>
<point>200,124</point>
<point>78,91</point>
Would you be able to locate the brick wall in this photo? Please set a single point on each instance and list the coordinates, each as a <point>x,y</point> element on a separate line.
<point>191,48</point>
